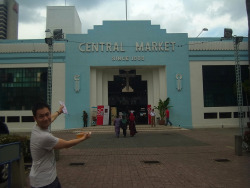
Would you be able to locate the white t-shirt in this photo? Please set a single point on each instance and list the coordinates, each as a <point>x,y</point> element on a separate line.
<point>43,170</point>
<point>152,113</point>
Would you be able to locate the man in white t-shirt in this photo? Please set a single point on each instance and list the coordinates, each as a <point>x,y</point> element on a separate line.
<point>42,144</point>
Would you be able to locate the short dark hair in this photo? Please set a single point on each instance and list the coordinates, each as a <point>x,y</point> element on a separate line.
<point>39,105</point>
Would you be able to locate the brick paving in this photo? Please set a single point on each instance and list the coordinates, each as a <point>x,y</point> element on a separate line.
<point>178,158</point>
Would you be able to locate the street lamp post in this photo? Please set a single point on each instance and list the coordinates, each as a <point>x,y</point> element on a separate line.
<point>49,41</point>
<point>204,29</point>
<point>57,35</point>
<point>236,41</point>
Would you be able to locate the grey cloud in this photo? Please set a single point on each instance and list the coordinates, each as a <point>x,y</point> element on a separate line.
<point>28,9</point>
<point>230,7</point>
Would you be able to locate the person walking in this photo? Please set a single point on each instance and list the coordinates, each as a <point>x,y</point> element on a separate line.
<point>117,122</point>
<point>42,144</point>
<point>85,118</point>
<point>152,114</point>
<point>132,124</point>
<point>167,118</point>
<point>124,124</point>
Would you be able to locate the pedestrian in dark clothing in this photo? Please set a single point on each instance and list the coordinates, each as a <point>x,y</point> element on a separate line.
<point>117,126</point>
<point>85,118</point>
<point>124,124</point>
<point>3,128</point>
<point>132,124</point>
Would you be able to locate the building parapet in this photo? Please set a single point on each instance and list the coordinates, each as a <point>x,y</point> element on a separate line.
<point>215,46</point>
<point>30,48</point>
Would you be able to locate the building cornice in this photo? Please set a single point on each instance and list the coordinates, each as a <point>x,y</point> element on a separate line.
<point>30,48</point>
<point>215,46</point>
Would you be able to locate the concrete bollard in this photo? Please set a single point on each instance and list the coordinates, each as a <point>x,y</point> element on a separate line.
<point>238,145</point>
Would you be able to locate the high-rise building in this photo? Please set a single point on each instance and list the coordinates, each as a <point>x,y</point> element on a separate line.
<point>65,18</point>
<point>8,19</point>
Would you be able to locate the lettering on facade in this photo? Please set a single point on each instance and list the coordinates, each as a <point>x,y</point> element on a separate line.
<point>89,47</point>
<point>118,47</point>
<point>102,47</point>
<point>127,58</point>
<point>154,46</point>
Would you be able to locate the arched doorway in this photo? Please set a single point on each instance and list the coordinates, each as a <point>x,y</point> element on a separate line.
<point>129,92</point>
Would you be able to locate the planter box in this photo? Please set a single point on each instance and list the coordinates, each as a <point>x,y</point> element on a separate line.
<point>10,152</point>
<point>161,122</point>
<point>11,155</point>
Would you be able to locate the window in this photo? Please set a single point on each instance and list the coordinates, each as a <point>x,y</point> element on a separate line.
<point>224,115</point>
<point>13,119</point>
<point>2,118</point>
<point>210,115</point>
<point>27,119</point>
<point>236,115</point>
<point>219,85</point>
<point>22,87</point>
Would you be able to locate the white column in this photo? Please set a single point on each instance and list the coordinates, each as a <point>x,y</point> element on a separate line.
<point>156,91</point>
<point>147,76</point>
<point>93,87</point>
<point>162,83</point>
<point>105,88</point>
<point>99,87</point>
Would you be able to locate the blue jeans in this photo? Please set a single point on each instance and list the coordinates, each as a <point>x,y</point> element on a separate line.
<point>54,184</point>
<point>168,121</point>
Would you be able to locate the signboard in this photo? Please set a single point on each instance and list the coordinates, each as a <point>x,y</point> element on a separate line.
<point>100,114</point>
<point>113,114</point>
<point>106,115</point>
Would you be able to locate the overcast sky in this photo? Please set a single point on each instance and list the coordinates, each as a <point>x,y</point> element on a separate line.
<point>176,16</point>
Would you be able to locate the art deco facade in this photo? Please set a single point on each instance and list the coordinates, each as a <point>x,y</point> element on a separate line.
<point>95,69</point>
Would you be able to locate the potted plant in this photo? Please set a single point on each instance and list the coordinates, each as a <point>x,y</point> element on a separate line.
<point>162,106</point>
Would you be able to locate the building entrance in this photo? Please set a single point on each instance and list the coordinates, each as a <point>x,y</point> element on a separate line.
<point>128,92</point>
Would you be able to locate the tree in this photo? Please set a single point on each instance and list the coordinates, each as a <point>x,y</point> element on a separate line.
<point>162,106</point>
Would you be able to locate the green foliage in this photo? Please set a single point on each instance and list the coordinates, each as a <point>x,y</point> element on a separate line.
<point>24,141</point>
<point>247,137</point>
<point>162,106</point>
<point>246,87</point>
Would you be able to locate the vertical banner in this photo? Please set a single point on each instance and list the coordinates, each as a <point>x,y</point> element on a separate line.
<point>100,114</point>
<point>106,115</point>
<point>113,114</point>
<point>93,115</point>
<point>149,116</point>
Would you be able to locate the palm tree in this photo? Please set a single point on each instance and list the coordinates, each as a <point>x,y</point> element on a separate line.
<point>162,106</point>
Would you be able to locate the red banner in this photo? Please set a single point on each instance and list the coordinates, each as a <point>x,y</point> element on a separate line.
<point>100,114</point>
<point>149,116</point>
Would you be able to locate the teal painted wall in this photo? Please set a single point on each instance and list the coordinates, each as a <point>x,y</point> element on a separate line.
<point>127,32</point>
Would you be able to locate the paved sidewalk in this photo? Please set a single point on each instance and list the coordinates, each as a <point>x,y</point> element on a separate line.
<point>155,158</point>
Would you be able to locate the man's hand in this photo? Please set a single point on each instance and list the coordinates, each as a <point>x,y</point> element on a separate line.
<point>60,110</point>
<point>86,135</point>
<point>69,143</point>
<point>57,113</point>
